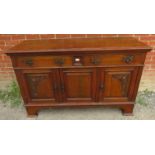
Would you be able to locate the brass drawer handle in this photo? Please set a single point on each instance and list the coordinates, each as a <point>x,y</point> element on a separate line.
<point>128,59</point>
<point>95,60</point>
<point>29,62</point>
<point>60,61</point>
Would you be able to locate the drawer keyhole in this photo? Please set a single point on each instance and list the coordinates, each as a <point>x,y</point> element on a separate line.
<point>77,61</point>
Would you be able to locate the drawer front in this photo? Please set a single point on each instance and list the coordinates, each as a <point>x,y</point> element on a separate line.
<point>115,59</point>
<point>43,61</point>
<point>79,60</point>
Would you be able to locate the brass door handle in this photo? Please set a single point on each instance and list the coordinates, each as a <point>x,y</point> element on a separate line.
<point>128,59</point>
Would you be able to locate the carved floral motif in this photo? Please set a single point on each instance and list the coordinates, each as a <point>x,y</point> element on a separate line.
<point>34,83</point>
<point>124,82</point>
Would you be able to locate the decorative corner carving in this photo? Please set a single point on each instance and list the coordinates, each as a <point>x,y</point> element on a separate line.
<point>34,83</point>
<point>123,80</point>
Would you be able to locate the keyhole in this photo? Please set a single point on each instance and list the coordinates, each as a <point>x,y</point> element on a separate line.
<point>77,59</point>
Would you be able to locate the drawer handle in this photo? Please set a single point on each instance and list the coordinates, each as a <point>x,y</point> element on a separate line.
<point>128,59</point>
<point>60,61</point>
<point>95,60</point>
<point>29,62</point>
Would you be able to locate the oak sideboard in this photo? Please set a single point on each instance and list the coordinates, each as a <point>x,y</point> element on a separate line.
<point>79,72</point>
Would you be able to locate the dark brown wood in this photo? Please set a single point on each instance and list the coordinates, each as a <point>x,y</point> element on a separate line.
<point>40,85</point>
<point>78,85</point>
<point>117,83</point>
<point>79,72</point>
<point>76,44</point>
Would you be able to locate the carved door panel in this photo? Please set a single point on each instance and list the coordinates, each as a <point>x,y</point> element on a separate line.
<point>78,85</point>
<point>116,84</point>
<point>40,85</point>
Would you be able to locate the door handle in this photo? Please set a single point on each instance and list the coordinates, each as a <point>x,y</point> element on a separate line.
<point>102,86</point>
<point>63,88</point>
<point>55,87</point>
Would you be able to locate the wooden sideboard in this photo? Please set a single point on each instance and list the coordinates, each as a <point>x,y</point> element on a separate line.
<point>79,72</point>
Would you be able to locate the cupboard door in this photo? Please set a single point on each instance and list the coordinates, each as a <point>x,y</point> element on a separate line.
<point>116,84</point>
<point>41,85</point>
<point>78,85</point>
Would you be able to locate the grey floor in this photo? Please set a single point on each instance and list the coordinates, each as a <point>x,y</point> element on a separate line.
<point>141,112</point>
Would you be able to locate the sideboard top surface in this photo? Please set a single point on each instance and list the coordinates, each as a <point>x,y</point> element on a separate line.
<point>79,44</point>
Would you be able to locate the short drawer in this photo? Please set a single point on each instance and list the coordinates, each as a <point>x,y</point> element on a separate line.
<point>115,59</point>
<point>79,60</point>
<point>43,61</point>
